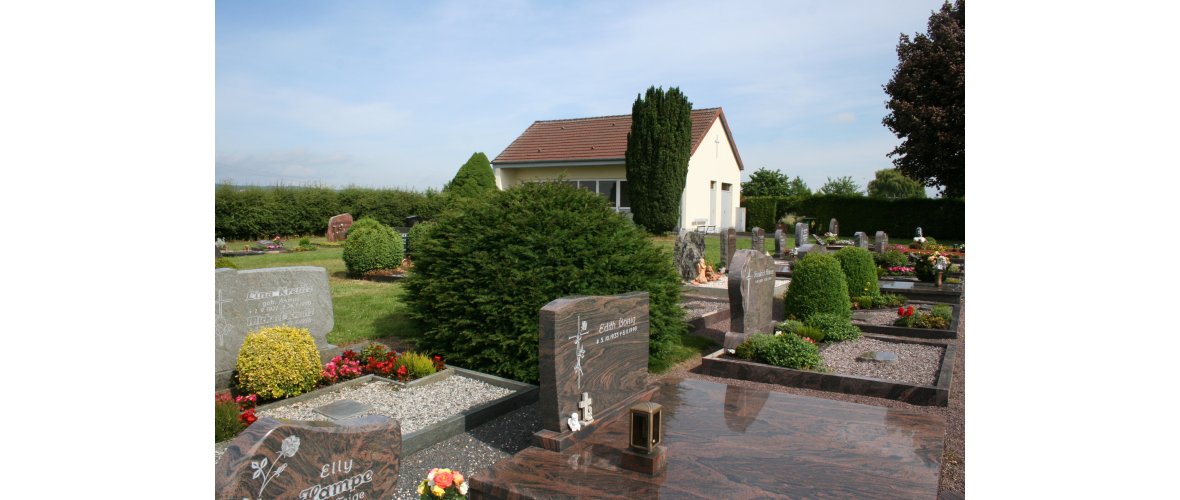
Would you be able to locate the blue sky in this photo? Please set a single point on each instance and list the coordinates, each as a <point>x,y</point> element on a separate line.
<point>399,94</point>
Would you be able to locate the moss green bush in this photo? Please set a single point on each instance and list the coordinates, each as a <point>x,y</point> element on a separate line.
<point>278,362</point>
<point>417,365</point>
<point>817,285</point>
<point>371,245</point>
<point>891,258</point>
<point>859,271</point>
<point>836,327</point>
<point>226,420</point>
<point>788,326</point>
<point>491,263</point>
<point>223,262</point>
<point>811,332</point>
<point>788,351</point>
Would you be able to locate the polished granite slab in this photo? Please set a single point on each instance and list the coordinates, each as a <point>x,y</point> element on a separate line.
<point>728,441</point>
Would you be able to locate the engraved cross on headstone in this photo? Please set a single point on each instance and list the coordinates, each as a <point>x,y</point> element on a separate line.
<point>221,301</point>
<point>585,408</point>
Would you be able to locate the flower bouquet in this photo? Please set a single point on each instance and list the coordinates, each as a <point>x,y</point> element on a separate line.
<point>444,484</point>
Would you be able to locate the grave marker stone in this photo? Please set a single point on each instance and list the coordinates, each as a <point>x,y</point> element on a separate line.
<point>338,227</point>
<point>862,240</point>
<point>880,241</point>
<point>593,359</point>
<point>728,246</point>
<point>758,240</point>
<point>246,301</point>
<point>780,243</point>
<point>355,458</point>
<point>751,292</point>
<point>690,247</point>
<point>801,234</point>
<point>809,248</point>
<point>834,226</point>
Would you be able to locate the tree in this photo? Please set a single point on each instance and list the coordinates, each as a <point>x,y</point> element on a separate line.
<point>926,102</point>
<point>892,184</point>
<point>657,157</point>
<point>798,189</point>
<point>765,182</point>
<point>843,186</point>
<point>474,178</point>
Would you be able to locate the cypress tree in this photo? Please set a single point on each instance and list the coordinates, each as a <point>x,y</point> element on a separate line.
<point>474,178</point>
<point>657,157</point>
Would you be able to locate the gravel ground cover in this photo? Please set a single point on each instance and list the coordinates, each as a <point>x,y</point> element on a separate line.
<point>885,317</point>
<point>916,363</point>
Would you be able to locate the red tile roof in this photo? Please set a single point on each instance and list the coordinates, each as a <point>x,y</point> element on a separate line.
<point>596,138</point>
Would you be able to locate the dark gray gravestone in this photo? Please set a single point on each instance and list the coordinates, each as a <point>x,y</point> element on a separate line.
<point>834,226</point>
<point>596,347</point>
<point>751,292</point>
<point>690,247</point>
<point>356,458</point>
<point>758,240</point>
<point>880,241</point>
<point>861,239</point>
<point>342,409</point>
<point>338,227</point>
<point>780,243</point>
<point>801,234</point>
<point>247,301</point>
<point>809,248</point>
<point>730,245</point>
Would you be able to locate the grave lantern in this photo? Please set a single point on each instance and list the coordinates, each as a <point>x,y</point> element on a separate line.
<point>647,427</point>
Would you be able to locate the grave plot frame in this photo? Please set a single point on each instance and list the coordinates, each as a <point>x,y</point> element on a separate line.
<point>721,364</point>
<point>951,332</point>
<point>926,292</point>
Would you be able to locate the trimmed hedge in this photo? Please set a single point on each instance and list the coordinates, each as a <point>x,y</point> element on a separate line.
<point>943,218</point>
<point>252,212</point>
<point>371,245</point>
<point>859,271</point>
<point>487,267</point>
<point>817,286</point>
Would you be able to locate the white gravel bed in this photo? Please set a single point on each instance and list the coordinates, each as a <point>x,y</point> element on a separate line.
<point>916,363</point>
<point>414,407</point>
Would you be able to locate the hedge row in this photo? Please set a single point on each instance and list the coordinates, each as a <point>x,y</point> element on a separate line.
<point>261,212</point>
<point>941,218</point>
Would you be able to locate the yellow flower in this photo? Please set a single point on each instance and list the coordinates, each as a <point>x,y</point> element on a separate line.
<point>438,492</point>
<point>422,487</point>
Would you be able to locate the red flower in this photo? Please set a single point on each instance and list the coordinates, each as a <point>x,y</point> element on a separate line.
<point>350,354</point>
<point>248,417</point>
<point>901,311</point>
<point>402,372</point>
<point>437,357</point>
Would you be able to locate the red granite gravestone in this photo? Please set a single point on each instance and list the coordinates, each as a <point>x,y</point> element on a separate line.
<point>593,361</point>
<point>352,459</point>
<point>338,227</point>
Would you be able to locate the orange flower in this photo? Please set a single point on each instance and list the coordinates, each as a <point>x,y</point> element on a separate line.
<point>458,477</point>
<point>443,478</point>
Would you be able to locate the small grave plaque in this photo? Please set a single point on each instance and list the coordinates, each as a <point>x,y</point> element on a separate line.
<point>801,234</point>
<point>690,247</point>
<point>342,409</point>
<point>593,357</point>
<point>751,292</point>
<point>878,357</point>
<point>338,227</point>
<point>246,301</point>
<point>357,458</point>
<point>758,240</point>
<point>880,241</point>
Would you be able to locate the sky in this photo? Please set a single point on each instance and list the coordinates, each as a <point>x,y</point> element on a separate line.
<point>400,94</point>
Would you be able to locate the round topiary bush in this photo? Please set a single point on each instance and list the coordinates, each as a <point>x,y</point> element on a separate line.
<point>371,245</point>
<point>491,263</point>
<point>787,350</point>
<point>817,285</point>
<point>860,272</point>
<point>278,362</point>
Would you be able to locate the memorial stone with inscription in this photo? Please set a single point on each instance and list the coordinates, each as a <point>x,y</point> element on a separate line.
<point>880,241</point>
<point>249,300</point>
<point>593,357</point>
<point>338,227</point>
<point>801,234</point>
<point>780,243</point>
<point>751,292</point>
<point>758,240</point>
<point>689,248</point>
<point>353,459</point>
<point>728,245</point>
<point>834,226</point>
<point>862,239</point>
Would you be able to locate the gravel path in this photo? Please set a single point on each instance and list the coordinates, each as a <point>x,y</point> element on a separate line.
<point>916,363</point>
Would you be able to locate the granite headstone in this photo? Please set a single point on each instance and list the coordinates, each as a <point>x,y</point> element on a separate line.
<point>689,248</point>
<point>801,234</point>
<point>861,239</point>
<point>593,357</point>
<point>247,301</point>
<point>834,226</point>
<point>780,243</point>
<point>880,242</point>
<point>728,239</point>
<point>355,458</point>
<point>338,227</point>
<point>751,292</point>
<point>809,248</point>
<point>758,240</point>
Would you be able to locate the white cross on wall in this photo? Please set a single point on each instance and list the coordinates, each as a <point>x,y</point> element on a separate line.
<point>716,147</point>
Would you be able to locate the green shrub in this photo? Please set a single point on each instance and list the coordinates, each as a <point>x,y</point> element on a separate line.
<point>942,311</point>
<point>418,365</point>
<point>929,244</point>
<point>417,233</point>
<point>836,327</point>
<point>859,271</point>
<point>863,302</point>
<point>373,350</point>
<point>788,326</point>
<point>788,351</point>
<point>891,258</point>
<point>226,419</point>
<point>371,245</point>
<point>810,332</point>
<point>491,263</point>
<point>278,362</point>
<point>223,262</point>
<point>817,286</point>
<point>888,300</point>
